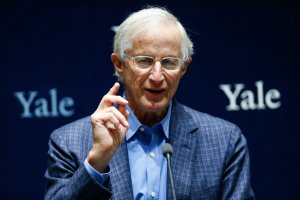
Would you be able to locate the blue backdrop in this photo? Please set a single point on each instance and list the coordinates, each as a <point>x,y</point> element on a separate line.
<point>55,67</point>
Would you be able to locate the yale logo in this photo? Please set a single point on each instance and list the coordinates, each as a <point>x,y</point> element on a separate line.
<point>36,106</point>
<point>240,98</point>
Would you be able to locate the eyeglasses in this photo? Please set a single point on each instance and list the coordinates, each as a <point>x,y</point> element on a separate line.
<point>147,62</point>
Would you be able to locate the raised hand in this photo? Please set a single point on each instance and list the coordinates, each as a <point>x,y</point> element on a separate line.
<point>109,127</point>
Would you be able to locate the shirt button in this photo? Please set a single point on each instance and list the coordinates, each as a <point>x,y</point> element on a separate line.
<point>152,154</point>
<point>142,129</point>
<point>153,194</point>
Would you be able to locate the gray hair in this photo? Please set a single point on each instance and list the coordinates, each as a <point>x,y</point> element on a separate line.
<point>139,22</point>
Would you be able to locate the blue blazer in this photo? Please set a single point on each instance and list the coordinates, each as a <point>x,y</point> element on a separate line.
<point>210,161</point>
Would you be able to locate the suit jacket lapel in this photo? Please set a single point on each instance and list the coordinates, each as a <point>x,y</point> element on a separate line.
<point>182,127</point>
<point>120,176</point>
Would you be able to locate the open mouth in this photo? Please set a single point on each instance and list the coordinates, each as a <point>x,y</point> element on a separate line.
<point>155,91</point>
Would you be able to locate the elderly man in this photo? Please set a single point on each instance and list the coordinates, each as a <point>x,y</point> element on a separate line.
<point>117,152</point>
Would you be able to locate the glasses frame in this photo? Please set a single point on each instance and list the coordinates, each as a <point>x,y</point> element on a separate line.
<point>133,59</point>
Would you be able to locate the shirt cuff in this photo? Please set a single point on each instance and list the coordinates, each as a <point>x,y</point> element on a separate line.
<point>100,177</point>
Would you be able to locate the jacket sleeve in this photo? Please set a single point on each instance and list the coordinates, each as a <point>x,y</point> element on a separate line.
<point>236,177</point>
<point>66,176</point>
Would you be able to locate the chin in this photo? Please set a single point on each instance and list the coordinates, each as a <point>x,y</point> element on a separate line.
<point>156,107</point>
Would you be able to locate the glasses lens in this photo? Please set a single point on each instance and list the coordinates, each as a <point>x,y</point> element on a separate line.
<point>171,63</point>
<point>143,62</point>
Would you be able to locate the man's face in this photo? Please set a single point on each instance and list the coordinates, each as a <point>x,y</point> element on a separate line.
<point>150,91</point>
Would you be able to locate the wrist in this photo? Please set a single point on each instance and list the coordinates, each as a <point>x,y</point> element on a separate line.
<point>99,160</point>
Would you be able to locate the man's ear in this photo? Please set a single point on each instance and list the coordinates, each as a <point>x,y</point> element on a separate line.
<point>117,62</point>
<point>185,66</point>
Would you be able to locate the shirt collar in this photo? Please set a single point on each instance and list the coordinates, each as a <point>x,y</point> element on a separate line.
<point>135,124</point>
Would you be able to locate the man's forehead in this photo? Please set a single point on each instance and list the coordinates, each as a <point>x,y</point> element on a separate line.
<point>151,48</point>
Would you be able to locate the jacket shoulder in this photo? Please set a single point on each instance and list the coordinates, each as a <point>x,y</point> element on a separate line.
<point>75,135</point>
<point>74,127</point>
<point>206,124</point>
<point>203,119</point>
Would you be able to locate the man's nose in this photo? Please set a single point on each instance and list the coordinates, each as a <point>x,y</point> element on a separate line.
<point>157,72</point>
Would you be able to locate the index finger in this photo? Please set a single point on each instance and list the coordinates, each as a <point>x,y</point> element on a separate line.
<point>111,98</point>
<point>114,90</point>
